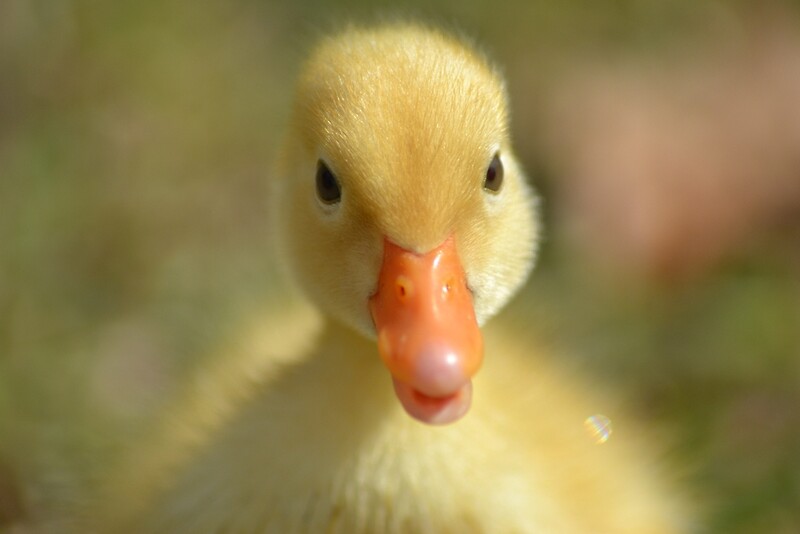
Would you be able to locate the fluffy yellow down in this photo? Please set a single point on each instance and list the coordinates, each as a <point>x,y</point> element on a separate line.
<point>307,436</point>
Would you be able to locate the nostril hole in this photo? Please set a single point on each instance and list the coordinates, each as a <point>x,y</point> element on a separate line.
<point>448,287</point>
<point>404,288</point>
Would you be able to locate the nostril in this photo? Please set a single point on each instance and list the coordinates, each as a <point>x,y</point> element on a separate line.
<point>448,287</point>
<point>404,288</point>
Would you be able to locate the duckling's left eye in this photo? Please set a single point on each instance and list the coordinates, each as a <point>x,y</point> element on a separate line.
<point>328,189</point>
<point>494,175</point>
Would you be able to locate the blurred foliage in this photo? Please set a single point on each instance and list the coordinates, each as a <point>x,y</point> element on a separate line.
<point>136,140</point>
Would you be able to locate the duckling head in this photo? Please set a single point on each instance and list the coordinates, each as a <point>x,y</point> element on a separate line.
<point>401,209</point>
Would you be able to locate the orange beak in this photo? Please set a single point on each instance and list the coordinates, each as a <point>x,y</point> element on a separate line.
<point>427,333</point>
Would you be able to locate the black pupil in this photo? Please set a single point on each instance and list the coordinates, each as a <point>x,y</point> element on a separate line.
<point>327,186</point>
<point>494,175</point>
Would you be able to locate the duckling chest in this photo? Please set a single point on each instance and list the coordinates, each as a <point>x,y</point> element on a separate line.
<point>347,459</point>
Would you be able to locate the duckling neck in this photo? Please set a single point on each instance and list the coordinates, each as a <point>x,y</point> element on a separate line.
<point>344,377</point>
<point>335,397</point>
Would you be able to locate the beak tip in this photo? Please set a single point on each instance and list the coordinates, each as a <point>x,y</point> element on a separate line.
<point>439,371</point>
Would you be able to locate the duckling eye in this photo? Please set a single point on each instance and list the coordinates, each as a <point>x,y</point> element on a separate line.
<point>328,189</point>
<point>494,175</point>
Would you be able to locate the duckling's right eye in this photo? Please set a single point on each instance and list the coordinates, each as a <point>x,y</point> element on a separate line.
<point>328,189</point>
<point>494,175</point>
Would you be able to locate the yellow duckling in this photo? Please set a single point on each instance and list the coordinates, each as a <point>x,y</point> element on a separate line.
<point>404,216</point>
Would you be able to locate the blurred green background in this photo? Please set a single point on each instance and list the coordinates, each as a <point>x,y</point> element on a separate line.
<point>136,139</point>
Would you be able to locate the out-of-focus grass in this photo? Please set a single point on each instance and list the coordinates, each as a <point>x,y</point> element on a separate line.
<point>136,140</point>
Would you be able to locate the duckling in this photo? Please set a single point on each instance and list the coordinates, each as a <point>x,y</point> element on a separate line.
<point>403,215</point>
